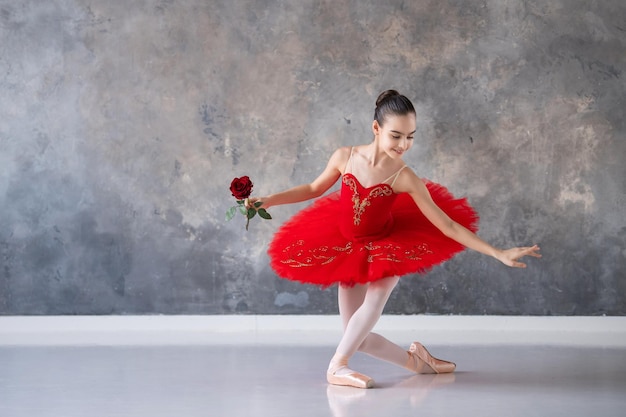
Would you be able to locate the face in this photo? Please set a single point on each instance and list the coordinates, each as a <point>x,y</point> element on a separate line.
<point>395,136</point>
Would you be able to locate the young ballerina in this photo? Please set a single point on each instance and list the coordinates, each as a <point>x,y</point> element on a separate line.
<point>385,222</point>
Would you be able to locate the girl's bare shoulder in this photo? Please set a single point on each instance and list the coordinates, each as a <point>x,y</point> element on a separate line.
<point>341,156</point>
<point>344,151</point>
<point>408,181</point>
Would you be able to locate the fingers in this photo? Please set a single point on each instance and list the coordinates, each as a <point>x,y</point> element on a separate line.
<point>531,251</point>
<point>535,249</point>
<point>249,202</point>
<point>252,202</point>
<point>515,263</point>
<point>518,253</point>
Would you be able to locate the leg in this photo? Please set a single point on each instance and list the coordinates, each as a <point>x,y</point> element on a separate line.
<point>366,316</point>
<point>360,308</point>
<point>357,327</point>
<point>349,300</point>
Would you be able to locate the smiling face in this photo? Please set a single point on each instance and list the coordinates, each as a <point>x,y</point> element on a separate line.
<point>395,136</point>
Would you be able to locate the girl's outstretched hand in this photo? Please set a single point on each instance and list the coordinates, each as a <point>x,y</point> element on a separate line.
<point>510,257</point>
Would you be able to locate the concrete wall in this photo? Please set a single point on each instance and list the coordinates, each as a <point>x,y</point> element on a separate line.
<point>123,122</point>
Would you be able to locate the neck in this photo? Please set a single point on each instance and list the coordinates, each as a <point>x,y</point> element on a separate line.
<point>375,155</point>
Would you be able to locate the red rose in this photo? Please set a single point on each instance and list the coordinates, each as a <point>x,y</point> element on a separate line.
<point>241,187</point>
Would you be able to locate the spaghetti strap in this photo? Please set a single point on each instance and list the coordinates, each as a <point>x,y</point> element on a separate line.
<point>349,161</point>
<point>394,176</point>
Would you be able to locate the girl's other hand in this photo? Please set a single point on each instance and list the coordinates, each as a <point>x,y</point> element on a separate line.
<point>511,256</point>
<point>249,202</point>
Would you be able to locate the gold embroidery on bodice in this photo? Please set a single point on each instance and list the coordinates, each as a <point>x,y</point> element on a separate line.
<point>360,205</point>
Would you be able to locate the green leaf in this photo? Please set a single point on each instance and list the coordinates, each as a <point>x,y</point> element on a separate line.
<point>251,213</point>
<point>264,214</point>
<point>240,202</point>
<point>258,204</point>
<point>230,213</point>
<point>243,210</point>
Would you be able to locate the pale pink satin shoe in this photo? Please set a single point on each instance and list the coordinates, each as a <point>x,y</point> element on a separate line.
<point>422,362</point>
<point>349,378</point>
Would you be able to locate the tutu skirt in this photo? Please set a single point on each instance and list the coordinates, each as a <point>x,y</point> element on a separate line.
<point>310,247</point>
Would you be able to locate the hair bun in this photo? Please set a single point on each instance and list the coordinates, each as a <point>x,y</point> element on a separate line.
<point>385,95</point>
<point>390,102</point>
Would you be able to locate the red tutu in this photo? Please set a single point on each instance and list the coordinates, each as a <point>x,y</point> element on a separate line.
<point>359,235</point>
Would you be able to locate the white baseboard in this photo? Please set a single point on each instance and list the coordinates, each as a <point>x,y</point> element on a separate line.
<point>308,330</point>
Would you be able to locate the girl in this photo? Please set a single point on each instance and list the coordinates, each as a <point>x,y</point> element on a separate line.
<point>385,222</point>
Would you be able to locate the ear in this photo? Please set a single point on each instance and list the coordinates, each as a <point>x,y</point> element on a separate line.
<point>375,127</point>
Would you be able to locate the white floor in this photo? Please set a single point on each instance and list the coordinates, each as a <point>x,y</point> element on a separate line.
<point>263,380</point>
<point>275,366</point>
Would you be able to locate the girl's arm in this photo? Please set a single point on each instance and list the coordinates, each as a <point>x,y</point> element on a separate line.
<point>412,184</point>
<point>319,186</point>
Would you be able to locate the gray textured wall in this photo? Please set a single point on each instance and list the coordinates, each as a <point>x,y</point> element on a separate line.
<point>123,122</point>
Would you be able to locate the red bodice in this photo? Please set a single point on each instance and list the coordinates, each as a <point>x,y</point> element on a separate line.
<point>365,212</point>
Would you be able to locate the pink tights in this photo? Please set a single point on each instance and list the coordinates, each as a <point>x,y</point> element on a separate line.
<point>360,307</point>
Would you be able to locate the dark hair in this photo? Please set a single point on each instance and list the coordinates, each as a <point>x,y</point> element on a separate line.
<point>392,103</point>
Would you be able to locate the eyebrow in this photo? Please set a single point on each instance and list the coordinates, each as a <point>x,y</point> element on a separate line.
<point>400,133</point>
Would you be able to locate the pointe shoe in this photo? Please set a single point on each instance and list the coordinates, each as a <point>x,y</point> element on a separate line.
<point>422,362</point>
<point>350,379</point>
